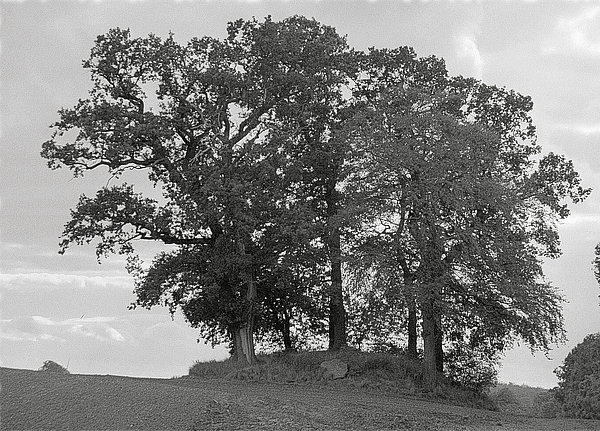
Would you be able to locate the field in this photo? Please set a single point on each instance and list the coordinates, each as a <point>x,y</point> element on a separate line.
<point>35,400</point>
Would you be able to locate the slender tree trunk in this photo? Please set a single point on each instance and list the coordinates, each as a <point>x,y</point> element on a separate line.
<point>337,311</point>
<point>409,294</point>
<point>430,352</point>
<point>439,345</point>
<point>412,328</point>
<point>286,333</point>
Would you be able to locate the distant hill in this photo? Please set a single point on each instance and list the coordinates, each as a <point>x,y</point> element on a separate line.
<point>525,400</point>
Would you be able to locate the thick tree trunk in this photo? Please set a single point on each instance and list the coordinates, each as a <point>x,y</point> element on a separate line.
<point>243,335</point>
<point>243,345</point>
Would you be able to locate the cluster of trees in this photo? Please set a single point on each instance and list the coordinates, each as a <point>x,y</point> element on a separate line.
<point>312,189</point>
<point>578,390</point>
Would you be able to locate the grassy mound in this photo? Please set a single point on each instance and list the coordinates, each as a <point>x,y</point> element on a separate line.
<point>380,372</point>
<point>304,367</point>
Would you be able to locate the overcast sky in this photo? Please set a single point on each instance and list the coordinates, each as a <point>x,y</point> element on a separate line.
<point>72,310</point>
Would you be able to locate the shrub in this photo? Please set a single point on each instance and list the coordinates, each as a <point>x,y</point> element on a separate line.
<point>545,405</point>
<point>578,389</point>
<point>53,367</point>
<point>471,369</point>
<point>505,400</point>
<point>214,369</point>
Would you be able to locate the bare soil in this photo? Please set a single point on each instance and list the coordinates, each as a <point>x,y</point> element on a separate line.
<point>35,400</point>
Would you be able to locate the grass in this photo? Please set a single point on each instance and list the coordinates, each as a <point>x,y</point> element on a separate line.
<point>371,372</point>
<point>304,367</point>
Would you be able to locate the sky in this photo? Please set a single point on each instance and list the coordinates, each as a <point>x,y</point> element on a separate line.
<point>74,311</point>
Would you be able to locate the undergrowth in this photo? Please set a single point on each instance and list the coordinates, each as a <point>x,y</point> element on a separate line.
<point>53,367</point>
<point>525,400</point>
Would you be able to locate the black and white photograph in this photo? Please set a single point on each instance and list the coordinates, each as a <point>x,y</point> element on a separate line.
<point>299,215</point>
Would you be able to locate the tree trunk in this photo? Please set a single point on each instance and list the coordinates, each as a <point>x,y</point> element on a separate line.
<point>409,295</point>
<point>412,329</point>
<point>243,337</point>
<point>286,333</point>
<point>243,345</point>
<point>337,311</point>
<point>430,352</point>
<point>439,345</point>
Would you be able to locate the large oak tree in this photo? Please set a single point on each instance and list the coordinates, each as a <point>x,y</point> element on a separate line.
<point>214,147</point>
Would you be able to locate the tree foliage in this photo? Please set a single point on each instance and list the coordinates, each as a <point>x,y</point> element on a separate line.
<point>464,211</point>
<point>215,148</point>
<point>578,389</point>
<point>596,263</point>
<point>293,167</point>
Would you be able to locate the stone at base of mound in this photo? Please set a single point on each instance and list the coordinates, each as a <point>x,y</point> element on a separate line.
<point>335,369</point>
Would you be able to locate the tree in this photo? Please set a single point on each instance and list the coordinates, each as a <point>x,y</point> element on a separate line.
<point>376,309</point>
<point>291,285</point>
<point>214,149</point>
<point>578,389</point>
<point>385,246</point>
<point>466,211</point>
<point>281,154</point>
<point>316,139</point>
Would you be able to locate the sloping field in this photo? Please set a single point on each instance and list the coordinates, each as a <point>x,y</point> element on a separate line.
<point>34,400</point>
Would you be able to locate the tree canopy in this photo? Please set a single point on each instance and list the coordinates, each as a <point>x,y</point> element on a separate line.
<point>302,180</point>
<point>578,389</point>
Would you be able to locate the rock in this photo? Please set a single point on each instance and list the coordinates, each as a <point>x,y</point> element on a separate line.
<point>335,369</point>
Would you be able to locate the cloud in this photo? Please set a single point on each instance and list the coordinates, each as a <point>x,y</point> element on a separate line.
<point>170,332</point>
<point>578,33</point>
<point>580,30</point>
<point>577,220</point>
<point>468,53</point>
<point>96,327</point>
<point>52,280</point>
<point>42,321</point>
<point>12,246</point>
<point>25,336</point>
<point>581,129</point>
<point>101,332</point>
<point>28,329</point>
<point>465,31</point>
<point>38,328</point>
<point>114,335</point>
